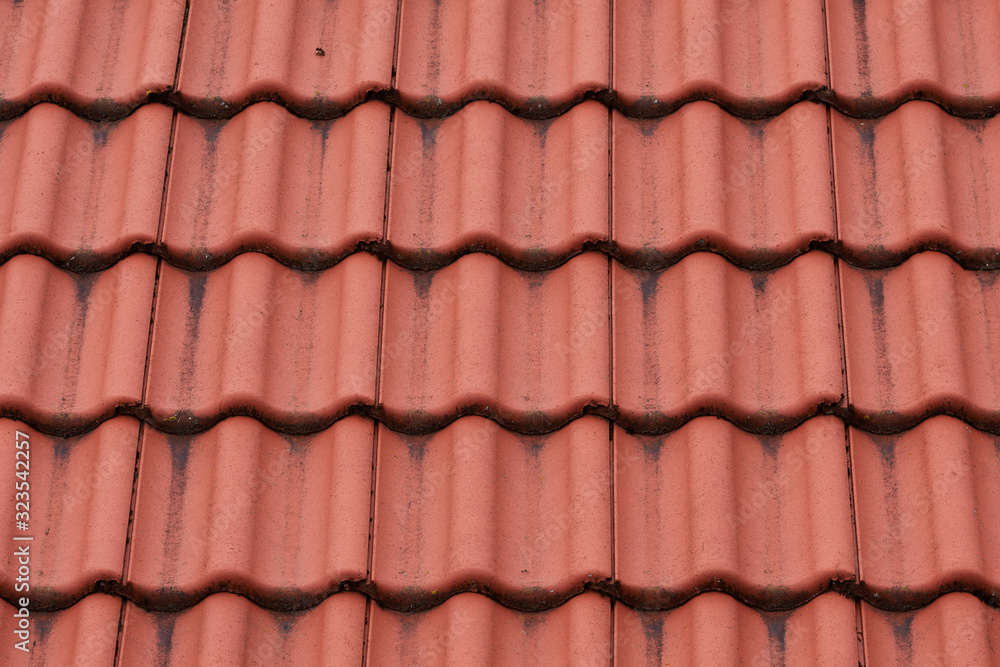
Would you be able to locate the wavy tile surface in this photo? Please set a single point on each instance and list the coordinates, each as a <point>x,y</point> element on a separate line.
<point>254,337</point>
<point>476,507</point>
<point>753,56</point>
<point>102,59</point>
<point>757,191</point>
<point>318,58</point>
<point>715,629</point>
<point>928,511</point>
<point>76,494</point>
<point>305,192</point>
<point>918,178</point>
<point>84,634</point>
<point>712,507</point>
<point>72,346</point>
<point>280,519</point>
<point>78,192</point>
<point>538,58</point>
<point>471,629</point>
<point>230,630</point>
<point>528,349</point>
<point>956,629</point>
<point>531,192</point>
<point>884,53</point>
<point>919,341</point>
<point>704,337</point>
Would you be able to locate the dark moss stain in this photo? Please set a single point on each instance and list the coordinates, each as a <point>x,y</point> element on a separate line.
<point>902,632</point>
<point>43,626</point>
<point>180,448</point>
<point>196,298</point>
<point>886,446</point>
<point>652,629</point>
<point>61,448</point>
<point>759,282</point>
<point>771,445</point>
<point>651,448</point>
<point>876,300</point>
<point>777,626</point>
<point>422,281</point>
<point>101,133</point>
<point>649,282</point>
<point>862,40</point>
<point>416,449</point>
<point>428,135</point>
<point>165,636</point>
<point>534,445</point>
<point>647,128</point>
<point>286,623</point>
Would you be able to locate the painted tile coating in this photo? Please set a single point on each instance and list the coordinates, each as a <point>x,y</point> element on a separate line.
<point>253,337</point>
<point>72,346</point>
<point>919,340</point>
<point>756,191</point>
<point>476,507</point>
<point>78,192</point>
<point>527,349</point>
<point>918,179</point>
<point>956,629</point>
<point>76,494</point>
<point>531,192</point>
<point>885,53</point>
<point>305,192</point>
<point>280,519</point>
<point>751,56</point>
<point>704,337</point>
<point>539,58</point>
<point>712,507</point>
<point>84,634</point>
<point>928,511</point>
<point>471,629</point>
<point>317,58</point>
<point>715,629</point>
<point>230,630</point>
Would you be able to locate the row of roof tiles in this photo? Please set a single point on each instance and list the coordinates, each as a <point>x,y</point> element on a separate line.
<point>530,520</point>
<point>320,59</point>
<point>531,192</point>
<point>470,629</point>
<point>650,350</point>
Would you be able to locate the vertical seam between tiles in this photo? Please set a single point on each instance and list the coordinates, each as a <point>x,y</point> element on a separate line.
<point>826,45</point>
<point>611,315</point>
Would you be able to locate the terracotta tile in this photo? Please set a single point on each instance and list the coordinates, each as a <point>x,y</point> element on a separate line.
<point>230,630</point>
<point>884,53</point>
<point>531,192</point>
<point>84,634</point>
<point>529,350</point>
<point>919,341</point>
<point>715,629</point>
<point>280,519</point>
<point>101,59</point>
<point>956,629</point>
<point>705,337</point>
<point>476,507</point>
<point>471,629</point>
<point>318,58</point>
<point>710,507</point>
<point>538,58</point>
<point>72,346</point>
<point>254,337</point>
<point>918,178</point>
<point>78,493</point>
<point>305,192</point>
<point>755,57</point>
<point>928,511</point>
<point>759,192</point>
<point>81,193</point>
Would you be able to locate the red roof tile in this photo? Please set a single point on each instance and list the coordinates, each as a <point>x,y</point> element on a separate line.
<point>759,192</point>
<point>537,58</point>
<point>476,507</point>
<point>460,340</point>
<point>246,510</point>
<point>256,338</point>
<point>885,53</point>
<point>78,493</point>
<point>73,345</point>
<point>101,59</point>
<point>710,507</point>
<point>229,630</point>
<point>704,337</point>
<point>81,193</point>
<point>715,629</point>
<point>919,341</point>
<point>470,629</point>
<point>531,192</point>
<point>318,58</point>
<point>305,192</point>
<point>84,634</point>
<point>756,57</point>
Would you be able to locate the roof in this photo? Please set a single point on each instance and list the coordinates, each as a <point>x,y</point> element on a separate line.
<point>429,332</point>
